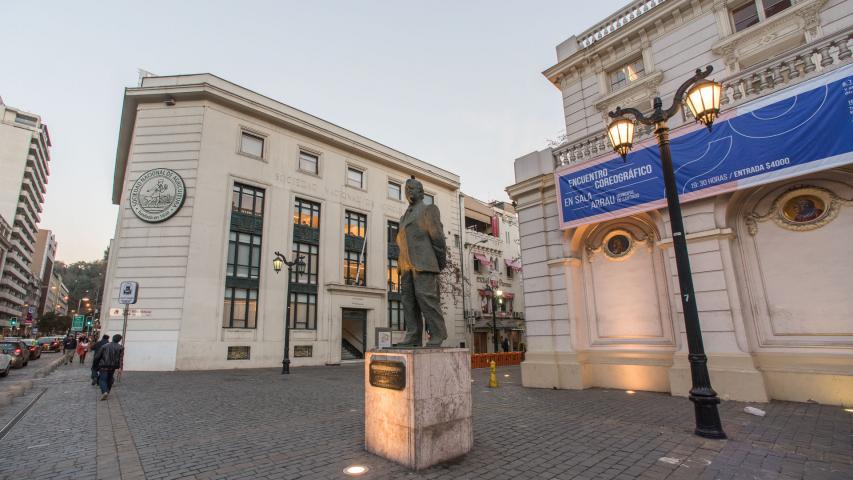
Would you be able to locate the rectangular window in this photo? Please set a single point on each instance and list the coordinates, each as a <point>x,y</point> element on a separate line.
<point>310,255</point>
<point>355,268</point>
<point>303,311</point>
<point>393,276</point>
<point>306,213</point>
<point>395,191</point>
<point>355,177</point>
<point>772,7</point>
<point>308,162</point>
<point>508,271</point>
<point>393,229</point>
<point>429,199</point>
<point>252,145</point>
<point>626,74</point>
<point>457,241</point>
<point>476,265</point>
<point>396,318</point>
<point>247,200</point>
<point>244,255</point>
<point>356,224</point>
<point>240,308</point>
<point>745,16</point>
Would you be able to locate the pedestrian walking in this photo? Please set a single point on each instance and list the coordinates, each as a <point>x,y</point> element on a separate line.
<point>69,346</point>
<point>97,346</point>
<point>82,349</point>
<point>110,358</point>
<point>505,344</point>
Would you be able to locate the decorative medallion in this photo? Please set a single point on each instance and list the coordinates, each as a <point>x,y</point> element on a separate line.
<point>617,244</point>
<point>157,195</point>
<point>800,208</point>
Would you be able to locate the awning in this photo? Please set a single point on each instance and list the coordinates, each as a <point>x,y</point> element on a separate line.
<point>482,258</point>
<point>514,264</point>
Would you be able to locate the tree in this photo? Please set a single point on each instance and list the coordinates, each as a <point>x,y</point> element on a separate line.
<point>85,280</point>
<point>50,323</point>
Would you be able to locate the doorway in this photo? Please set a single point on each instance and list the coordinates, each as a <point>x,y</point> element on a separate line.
<point>353,333</point>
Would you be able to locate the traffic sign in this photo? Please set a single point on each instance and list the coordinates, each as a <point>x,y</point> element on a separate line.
<point>127,292</point>
<point>77,323</point>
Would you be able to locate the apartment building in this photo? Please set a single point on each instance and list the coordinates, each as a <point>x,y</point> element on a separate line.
<point>24,161</point>
<point>492,276</point>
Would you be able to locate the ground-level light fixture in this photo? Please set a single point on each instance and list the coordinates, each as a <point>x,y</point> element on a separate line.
<point>356,470</point>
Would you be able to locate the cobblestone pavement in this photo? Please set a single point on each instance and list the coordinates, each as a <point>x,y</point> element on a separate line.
<point>309,425</point>
<point>55,439</point>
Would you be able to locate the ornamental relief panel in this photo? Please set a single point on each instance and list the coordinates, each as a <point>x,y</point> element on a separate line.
<point>625,286</point>
<point>800,208</point>
<point>794,265</point>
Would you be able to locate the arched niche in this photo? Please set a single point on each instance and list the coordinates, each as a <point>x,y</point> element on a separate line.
<point>625,285</point>
<point>793,260</point>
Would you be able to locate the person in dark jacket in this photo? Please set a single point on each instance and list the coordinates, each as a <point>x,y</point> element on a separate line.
<point>109,358</point>
<point>97,346</point>
<point>69,346</point>
<point>505,344</point>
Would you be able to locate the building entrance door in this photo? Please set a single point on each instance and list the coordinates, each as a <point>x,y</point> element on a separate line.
<point>480,342</point>
<point>353,333</point>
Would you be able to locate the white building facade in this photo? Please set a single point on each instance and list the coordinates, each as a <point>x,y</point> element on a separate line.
<point>212,179</point>
<point>493,263</point>
<point>602,304</point>
<point>24,163</point>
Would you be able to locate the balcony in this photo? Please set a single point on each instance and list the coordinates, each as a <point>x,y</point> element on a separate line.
<point>784,70</point>
<point>488,241</point>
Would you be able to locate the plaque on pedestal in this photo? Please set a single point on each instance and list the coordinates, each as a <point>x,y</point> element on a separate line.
<point>417,405</point>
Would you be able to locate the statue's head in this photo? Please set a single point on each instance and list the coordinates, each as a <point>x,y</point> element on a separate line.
<point>414,191</point>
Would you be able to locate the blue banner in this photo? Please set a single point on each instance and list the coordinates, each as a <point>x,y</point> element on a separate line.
<point>800,130</point>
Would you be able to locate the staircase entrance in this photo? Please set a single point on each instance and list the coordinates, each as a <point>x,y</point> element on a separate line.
<point>353,333</point>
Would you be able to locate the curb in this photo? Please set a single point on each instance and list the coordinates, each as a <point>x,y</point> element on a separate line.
<point>47,369</point>
<point>21,387</point>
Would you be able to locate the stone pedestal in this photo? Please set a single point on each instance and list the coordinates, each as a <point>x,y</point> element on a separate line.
<point>417,405</point>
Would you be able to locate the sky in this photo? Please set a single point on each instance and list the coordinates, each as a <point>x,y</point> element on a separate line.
<point>454,83</point>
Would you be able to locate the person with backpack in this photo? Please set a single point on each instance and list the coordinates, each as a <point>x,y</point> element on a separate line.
<point>95,347</point>
<point>109,358</point>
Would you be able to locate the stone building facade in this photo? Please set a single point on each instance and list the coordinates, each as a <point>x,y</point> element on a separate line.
<point>493,259</point>
<point>212,179</point>
<point>775,319</point>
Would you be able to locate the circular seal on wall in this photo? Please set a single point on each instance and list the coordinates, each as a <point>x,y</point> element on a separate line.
<point>157,195</point>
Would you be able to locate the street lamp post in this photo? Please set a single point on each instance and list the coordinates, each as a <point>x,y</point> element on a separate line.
<point>703,99</point>
<point>494,295</point>
<point>277,263</point>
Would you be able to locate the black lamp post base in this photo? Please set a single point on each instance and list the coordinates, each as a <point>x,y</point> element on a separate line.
<point>285,366</point>
<point>708,424</point>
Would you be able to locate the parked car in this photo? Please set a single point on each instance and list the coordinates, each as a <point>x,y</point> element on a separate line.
<point>50,344</point>
<point>18,350</point>
<point>33,347</point>
<point>5,364</point>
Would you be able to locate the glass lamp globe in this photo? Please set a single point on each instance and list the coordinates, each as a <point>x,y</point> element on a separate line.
<point>703,100</point>
<point>621,134</point>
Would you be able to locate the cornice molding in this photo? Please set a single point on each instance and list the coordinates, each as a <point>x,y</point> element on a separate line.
<point>798,24</point>
<point>662,19</point>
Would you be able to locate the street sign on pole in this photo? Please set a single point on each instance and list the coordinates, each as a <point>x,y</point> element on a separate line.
<point>77,323</point>
<point>127,292</point>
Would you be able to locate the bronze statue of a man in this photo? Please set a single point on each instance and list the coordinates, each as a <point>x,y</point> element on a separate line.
<point>422,257</point>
